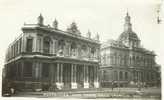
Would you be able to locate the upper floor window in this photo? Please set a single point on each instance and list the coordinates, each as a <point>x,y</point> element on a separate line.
<point>73,49</point>
<point>29,45</point>
<point>61,44</point>
<point>20,44</point>
<point>93,51</point>
<point>84,50</point>
<point>46,45</point>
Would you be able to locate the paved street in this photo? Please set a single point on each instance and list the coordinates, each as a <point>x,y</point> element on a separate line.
<point>147,93</point>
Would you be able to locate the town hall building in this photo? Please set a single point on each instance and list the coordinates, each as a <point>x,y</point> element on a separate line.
<point>125,62</point>
<point>45,57</point>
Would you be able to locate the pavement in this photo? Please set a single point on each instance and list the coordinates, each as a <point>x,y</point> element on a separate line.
<point>149,93</point>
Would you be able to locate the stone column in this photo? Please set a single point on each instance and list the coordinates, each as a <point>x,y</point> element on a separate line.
<point>58,76</point>
<point>37,75</point>
<point>73,76</point>
<point>36,70</point>
<point>61,73</point>
<point>40,71</point>
<point>38,44</point>
<point>23,44</point>
<point>35,45</point>
<point>69,50</point>
<point>36,49</point>
<point>52,42</point>
<point>86,79</point>
<point>51,73</point>
<point>54,46</point>
<point>41,44</point>
<point>96,83</point>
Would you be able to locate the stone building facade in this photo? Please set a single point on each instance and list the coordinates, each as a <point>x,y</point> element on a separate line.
<point>45,57</point>
<point>124,61</point>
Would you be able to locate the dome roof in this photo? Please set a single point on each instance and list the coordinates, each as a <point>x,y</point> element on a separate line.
<point>128,35</point>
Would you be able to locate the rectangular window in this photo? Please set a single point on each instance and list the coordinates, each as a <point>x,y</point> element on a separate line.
<point>29,45</point>
<point>27,70</point>
<point>46,47</point>
<point>12,51</point>
<point>45,69</point>
<point>20,44</point>
<point>19,69</point>
<point>16,48</point>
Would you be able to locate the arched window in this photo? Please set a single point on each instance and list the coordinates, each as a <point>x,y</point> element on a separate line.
<point>29,44</point>
<point>45,70</point>
<point>46,45</point>
<point>61,44</point>
<point>27,70</point>
<point>93,50</point>
<point>111,59</point>
<point>115,58</point>
<point>120,60</point>
<point>126,75</point>
<point>84,50</point>
<point>125,60</point>
<point>120,75</point>
<point>73,49</point>
<point>115,75</point>
<point>134,59</point>
<point>108,59</point>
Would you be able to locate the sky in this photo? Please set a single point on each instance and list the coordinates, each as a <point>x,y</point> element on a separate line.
<point>105,17</point>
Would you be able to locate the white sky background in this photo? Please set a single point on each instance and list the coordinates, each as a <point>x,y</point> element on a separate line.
<point>105,17</point>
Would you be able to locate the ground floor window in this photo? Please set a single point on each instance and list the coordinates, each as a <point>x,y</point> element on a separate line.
<point>126,75</point>
<point>121,75</point>
<point>115,75</point>
<point>45,69</point>
<point>19,69</point>
<point>27,70</point>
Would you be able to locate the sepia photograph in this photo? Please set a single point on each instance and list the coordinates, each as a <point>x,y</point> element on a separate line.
<point>81,49</point>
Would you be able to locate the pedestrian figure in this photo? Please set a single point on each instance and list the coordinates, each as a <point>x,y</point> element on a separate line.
<point>112,85</point>
<point>12,90</point>
<point>139,87</point>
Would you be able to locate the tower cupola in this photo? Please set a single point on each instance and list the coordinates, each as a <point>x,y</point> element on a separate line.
<point>40,20</point>
<point>127,25</point>
<point>55,24</point>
